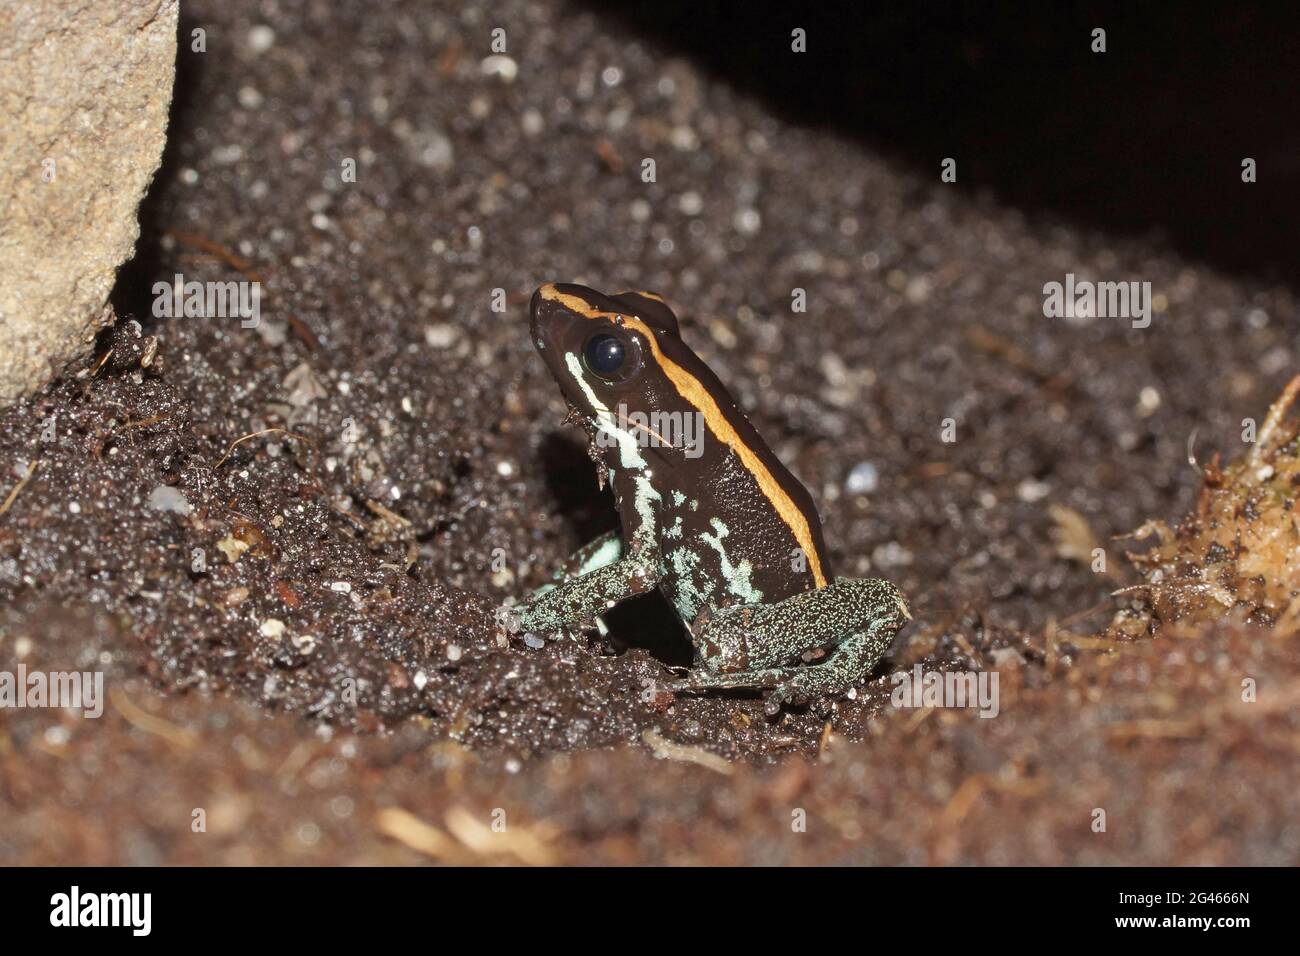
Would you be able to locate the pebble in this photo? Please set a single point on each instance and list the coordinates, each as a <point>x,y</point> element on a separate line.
<point>1031,491</point>
<point>167,498</point>
<point>891,555</point>
<point>863,479</point>
<point>440,335</point>
<point>261,38</point>
<point>500,65</point>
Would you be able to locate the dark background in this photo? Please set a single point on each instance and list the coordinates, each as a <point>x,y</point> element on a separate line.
<point>1145,139</point>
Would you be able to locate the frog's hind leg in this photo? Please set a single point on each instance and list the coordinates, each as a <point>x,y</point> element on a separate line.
<point>848,663</point>
<point>759,645</point>
<point>759,637</point>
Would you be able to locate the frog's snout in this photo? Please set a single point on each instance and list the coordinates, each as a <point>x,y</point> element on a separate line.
<point>539,297</point>
<point>547,317</point>
<point>535,308</point>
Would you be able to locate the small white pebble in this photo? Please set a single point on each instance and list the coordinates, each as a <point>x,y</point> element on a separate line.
<point>22,647</point>
<point>500,65</point>
<point>891,555</point>
<point>1031,491</point>
<point>533,641</point>
<point>228,154</point>
<point>863,479</point>
<point>167,498</point>
<point>748,222</point>
<point>1148,401</point>
<point>454,652</point>
<point>343,587</point>
<point>420,680</point>
<point>505,469</point>
<point>261,38</point>
<point>272,627</point>
<point>440,336</point>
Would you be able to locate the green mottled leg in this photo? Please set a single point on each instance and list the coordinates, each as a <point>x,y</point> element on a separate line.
<point>848,664</point>
<point>598,553</point>
<point>758,645</point>
<point>576,603</point>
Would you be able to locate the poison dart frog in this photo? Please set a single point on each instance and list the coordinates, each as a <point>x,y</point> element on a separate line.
<point>709,515</point>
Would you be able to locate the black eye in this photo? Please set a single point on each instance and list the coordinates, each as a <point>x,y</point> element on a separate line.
<point>605,355</point>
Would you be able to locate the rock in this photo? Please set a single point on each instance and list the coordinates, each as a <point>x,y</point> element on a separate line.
<point>84,95</point>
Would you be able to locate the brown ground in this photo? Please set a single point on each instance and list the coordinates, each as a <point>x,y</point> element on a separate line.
<point>377,556</point>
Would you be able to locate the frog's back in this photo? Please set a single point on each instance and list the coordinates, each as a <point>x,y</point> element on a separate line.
<point>737,527</point>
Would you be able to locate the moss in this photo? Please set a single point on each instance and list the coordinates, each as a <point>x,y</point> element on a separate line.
<point>1238,552</point>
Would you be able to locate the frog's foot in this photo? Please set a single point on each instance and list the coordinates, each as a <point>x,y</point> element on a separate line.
<point>849,663</point>
<point>515,621</point>
<point>706,680</point>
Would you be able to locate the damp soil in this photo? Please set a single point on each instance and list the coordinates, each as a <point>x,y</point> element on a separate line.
<point>283,545</point>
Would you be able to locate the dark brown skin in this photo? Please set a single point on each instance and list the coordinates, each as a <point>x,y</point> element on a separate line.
<point>709,514</point>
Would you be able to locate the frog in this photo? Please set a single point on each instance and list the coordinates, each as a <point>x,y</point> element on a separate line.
<point>708,514</point>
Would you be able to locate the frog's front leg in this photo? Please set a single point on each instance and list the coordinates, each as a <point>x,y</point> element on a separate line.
<point>576,602</point>
<point>759,645</point>
<point>599,552</point>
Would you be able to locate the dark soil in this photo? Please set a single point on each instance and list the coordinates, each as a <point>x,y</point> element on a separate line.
<point>328,685</point>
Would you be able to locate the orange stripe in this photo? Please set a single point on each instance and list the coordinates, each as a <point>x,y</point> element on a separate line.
<point>690,389</point>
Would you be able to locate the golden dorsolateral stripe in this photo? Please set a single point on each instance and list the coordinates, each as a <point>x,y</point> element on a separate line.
<point>690,389</point>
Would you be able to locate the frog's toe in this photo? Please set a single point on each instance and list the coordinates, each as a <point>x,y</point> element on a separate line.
<point>682,686</point>
<point>711,680</point>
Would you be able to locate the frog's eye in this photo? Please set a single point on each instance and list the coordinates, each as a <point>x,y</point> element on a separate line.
<point>612,357</point>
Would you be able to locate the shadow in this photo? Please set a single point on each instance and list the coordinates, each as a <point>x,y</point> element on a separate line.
<point>571,480</point>
<point>1146,139</point>
<point>132,293</point>
<point>648,621</point>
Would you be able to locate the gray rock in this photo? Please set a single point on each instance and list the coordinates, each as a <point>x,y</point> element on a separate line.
<point>84,95</point>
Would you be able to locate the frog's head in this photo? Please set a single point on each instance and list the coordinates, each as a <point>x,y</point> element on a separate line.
<point>611,355</point>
